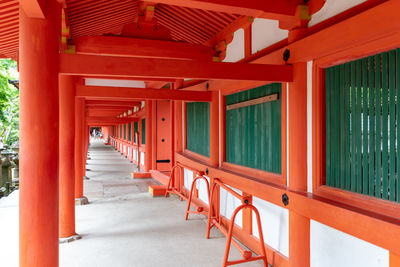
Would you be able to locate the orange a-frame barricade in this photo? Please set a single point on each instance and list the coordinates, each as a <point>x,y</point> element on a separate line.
<point>216,221</point>
<point>171,187</point>
<point>199,210</point>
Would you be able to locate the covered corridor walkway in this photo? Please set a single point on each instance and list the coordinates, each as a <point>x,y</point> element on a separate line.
<point>124,226</point>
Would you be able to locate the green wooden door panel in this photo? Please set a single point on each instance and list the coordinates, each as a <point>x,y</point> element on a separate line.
<point>135,130</point>
<point>198,128</point>
<point>362,125</point>
<point>253,133</point>
<point>129,131</point>
<point>144,131</point>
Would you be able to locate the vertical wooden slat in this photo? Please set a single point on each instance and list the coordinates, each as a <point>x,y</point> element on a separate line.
<point>358,126</point>
<point>385,125</point>
<point>365,125</point>
<point>336,113</point>
<point>378,117</point>
<point>333,127</point>
<point>392,126</point>
<point>347,109</point>
<point>353,133</point>
<point>398,121</point>
<point>328,125</point>
<point>342,126</point>
<point>371,85</point>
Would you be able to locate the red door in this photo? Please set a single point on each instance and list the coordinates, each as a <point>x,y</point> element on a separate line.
<point>163,136</point>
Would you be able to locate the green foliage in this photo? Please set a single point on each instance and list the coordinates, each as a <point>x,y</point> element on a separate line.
<point>9,102</point>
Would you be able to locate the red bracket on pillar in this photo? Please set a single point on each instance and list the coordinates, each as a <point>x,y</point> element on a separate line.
<point>199,210</point>
<point>215,220</point>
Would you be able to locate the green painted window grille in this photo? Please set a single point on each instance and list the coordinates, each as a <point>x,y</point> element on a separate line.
<point>253,133</point>
<point>124,131</point>
<point>129,131</point>
<point>362,126</point>
<point>144,131</point>
<point>198,128</point>
<point>120,131</point>
<point>135,130</point>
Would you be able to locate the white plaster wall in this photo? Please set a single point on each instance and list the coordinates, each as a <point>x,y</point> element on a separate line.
<point>332,248</point>
<point>309,126</point>
<point>114,83</point>
<point>142,158</point>
<point>332,8</point>
<point>228,203</point>
<point>275,225</point>
<point>187,178</point>
<point>265,32</point>
<point>134,154</point>
<point>235,50</point>
<point>202,187</point>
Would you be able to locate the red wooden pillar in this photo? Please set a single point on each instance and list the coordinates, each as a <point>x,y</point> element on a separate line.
<point>299,226</point>
<point>214,129</point>
<point>79,149</point>
<point>148,148</point>
<point>67,164</point>
<point>178,138</point>
<point>154,134</point>
<point>38,197</point>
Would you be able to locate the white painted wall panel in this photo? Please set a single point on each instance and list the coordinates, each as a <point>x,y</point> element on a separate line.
<point>114,83</point>
<point>134,154</point>
<point>332,8</point>
<point>275,225</point>
<point>188,178</point>
<point>142,158</point>
<point>235,50</point>
<point>331,248</point>
<point>228,203</point>
<point>202,187</point>
<point>265,32</point>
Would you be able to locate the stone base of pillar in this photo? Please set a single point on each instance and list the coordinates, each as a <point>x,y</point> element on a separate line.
<point>69,239</point>
<point>81,201</point>
<point>88,158</point>
<point>86,178</point>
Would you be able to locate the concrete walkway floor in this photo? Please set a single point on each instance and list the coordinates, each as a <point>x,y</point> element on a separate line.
<point>123,225</point>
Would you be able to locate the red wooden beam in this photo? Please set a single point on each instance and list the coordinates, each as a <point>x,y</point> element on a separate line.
<point>85,65</point>
<point>256,8</point>
<point>107,108</point>
<point>115,93</point>
<point>131,47</point>
<point>34,8</point>
<point>102,103</point>
<point>343,36</point>
<point>102,120</point>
